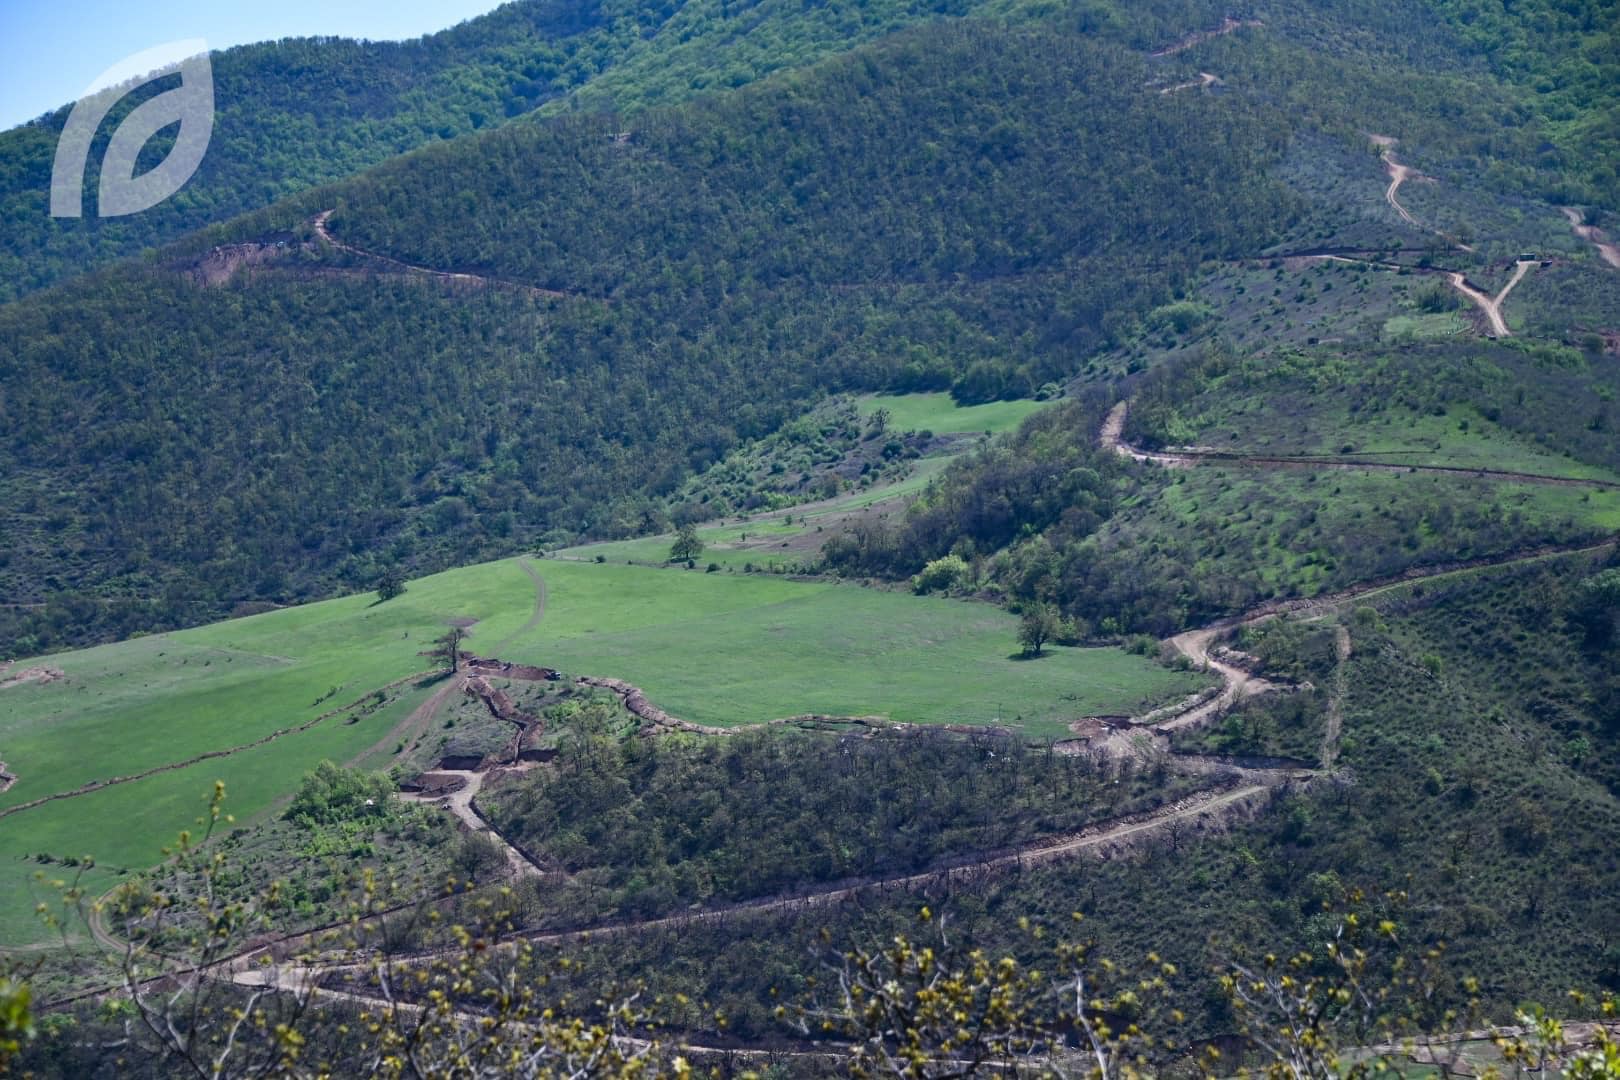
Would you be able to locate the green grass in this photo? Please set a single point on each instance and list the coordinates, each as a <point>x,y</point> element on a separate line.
<point>832,649</point>
<point>1440,325</point>
<point>716,648</point>
<point>1432,407</point>
<point>766,540</point>
<point>1461,439</point>
<point>941,415</point>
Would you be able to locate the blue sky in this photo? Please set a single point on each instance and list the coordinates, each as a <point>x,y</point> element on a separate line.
<point>50,50</point>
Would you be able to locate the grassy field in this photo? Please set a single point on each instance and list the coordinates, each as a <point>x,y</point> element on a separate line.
<point>791,538</point>
<point>1449,406</point>
<point>787,539</point>
<point>941,415</point>
<point>721,648</point>
<point>833,649</point>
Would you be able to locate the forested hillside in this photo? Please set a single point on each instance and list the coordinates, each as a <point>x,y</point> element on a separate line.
<point>981,207</point>
<point>300,112</point>
<point>1137,470</point>
<point>296,113</point>
<point>954,208</point>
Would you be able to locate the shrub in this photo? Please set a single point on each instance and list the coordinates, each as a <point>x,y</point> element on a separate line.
<point>331,794</point>
<point>943,575</point>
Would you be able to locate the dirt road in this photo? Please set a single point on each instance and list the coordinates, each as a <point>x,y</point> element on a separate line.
<point>1228,25</point>
<point>413,726</point>
<point>1242,792</point>
<point>1400,174</point>
<point>322,224</point>
<point>1111,437</point>
<point>1237,684</point>
<point>1593,235</point>
<point>460,804</point>
<point>1205,79</point>
<point>539,608</point>
<point>1492,305</point>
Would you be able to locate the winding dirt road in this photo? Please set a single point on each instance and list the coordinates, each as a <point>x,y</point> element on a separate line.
<point>1400,174</point>
<point>1242,792</point>
<point>1239,791</point>
<point>1593,235</point>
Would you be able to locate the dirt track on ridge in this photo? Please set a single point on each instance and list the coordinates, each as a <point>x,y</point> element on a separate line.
<point>1228,25</point>
<point>1112,437</point>
<point>321,222</point>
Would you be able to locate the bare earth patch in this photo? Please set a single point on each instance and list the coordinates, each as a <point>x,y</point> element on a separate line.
<point>39,675</point>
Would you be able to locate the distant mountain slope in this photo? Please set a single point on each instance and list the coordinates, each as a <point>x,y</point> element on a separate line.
<point>971,206</point>
<point>300,112</point>
<point>297,113</point>
<point>616,301</point>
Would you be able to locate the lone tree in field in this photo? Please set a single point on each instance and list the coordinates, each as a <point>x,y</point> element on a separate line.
<point>449,648</point>
<point>1039,625</point>
<point>390,584</point>
<point>687,546</point>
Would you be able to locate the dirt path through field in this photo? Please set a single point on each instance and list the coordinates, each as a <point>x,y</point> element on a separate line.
<point>1334,726</point>
<point>1594,236</point>
<point>413,726</point>
<point>539,608</point>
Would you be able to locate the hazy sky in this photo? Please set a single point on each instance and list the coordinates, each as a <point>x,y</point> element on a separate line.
<point>50,50</point>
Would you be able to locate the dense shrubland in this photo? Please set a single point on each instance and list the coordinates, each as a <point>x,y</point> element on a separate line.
<point>649,827</point>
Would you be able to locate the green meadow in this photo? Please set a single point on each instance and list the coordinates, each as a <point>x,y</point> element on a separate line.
<point>724,648</point>
<point>940,413</point>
